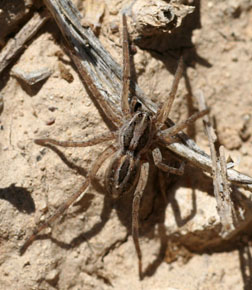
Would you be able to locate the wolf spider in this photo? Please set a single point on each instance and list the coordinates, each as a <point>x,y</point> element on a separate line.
<point>138,134</point>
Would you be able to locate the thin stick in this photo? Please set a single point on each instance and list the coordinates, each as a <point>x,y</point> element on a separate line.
<point>222,190</point>
<point>15,45</point>
<point>228,212</point>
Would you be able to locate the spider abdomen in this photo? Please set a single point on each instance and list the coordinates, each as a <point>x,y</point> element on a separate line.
<point>122,174</point>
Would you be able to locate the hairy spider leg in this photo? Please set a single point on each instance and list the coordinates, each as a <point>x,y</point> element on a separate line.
<point>164,111</point>
<point>135,213</point>
<point>126,71</point>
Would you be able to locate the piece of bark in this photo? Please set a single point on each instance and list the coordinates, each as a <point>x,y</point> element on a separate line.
<point>157,17</point>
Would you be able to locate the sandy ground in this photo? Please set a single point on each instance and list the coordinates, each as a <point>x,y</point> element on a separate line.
<point>91,246</point>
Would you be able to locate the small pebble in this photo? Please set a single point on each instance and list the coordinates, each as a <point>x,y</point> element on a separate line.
<point>212,220</point>
<point>53,276</point>
<point>21,145</point>
<point>52,109</point>
<point>113,27</point>
<point>33,77</point>
<point>65,73</point>
<point>43,206</point>
<point>38,158</point>
<point>50,121</point>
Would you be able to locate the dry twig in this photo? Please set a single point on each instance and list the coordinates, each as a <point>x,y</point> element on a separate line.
<point>222,189</point>
<point>227,211</point>
<point>15,45</point>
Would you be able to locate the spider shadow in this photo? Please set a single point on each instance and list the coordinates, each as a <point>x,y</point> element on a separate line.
<point>158,214</point>
<point>83,204</point>
<point>158,217</point>
<point>104,217</point>
<point>80,170</point>
<point>199,181</point>
<point>245,258</point>
<point>18,197</point>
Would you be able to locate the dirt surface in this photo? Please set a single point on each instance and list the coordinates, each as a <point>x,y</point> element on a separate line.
<point>91,246</point>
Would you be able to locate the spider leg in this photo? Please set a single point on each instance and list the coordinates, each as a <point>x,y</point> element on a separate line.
<point>135,213</point>
<point>164,111</point>
<point>126,71</point>
<point>93,141</point>
<point>108,152</point>
<point>165,168</point>
<point>95,167</point>
<point>167,134</point>
<point>162,184</point>
<point>157,157</point>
